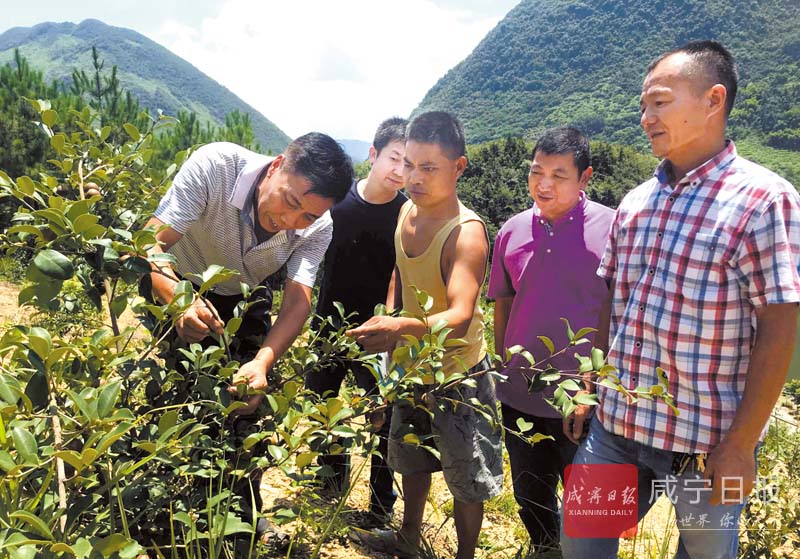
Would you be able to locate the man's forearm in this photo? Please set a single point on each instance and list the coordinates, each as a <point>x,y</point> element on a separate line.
<point>766,373</point>
<point>292,315</point>
<point>502,310</point>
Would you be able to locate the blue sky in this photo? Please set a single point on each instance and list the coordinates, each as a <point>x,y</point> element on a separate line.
<point>339,66</point>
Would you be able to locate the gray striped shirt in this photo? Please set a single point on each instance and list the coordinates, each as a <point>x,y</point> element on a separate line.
<point>210,203</point>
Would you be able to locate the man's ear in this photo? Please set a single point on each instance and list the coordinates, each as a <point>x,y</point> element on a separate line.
<point>373,155</point>
<point>461,165</point>
<point>716,97</point>
<point>585,176</point>
<point>276,164</point>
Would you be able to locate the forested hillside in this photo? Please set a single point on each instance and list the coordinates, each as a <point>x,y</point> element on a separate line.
<point>552,63</point>
<point>155,76</point>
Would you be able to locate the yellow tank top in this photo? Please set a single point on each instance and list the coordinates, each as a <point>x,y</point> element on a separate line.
<point>425,273</point>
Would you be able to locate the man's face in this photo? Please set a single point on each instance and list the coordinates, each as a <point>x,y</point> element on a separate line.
<point>284,202</point>
<point>387,166</point>
<point>429,176</point>
<point>674,114</point>
<point>555,184</point>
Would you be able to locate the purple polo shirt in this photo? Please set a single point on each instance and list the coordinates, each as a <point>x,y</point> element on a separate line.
<point>551,271</point>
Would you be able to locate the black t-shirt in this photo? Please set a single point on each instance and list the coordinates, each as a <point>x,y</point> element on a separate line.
<point>360,259</point>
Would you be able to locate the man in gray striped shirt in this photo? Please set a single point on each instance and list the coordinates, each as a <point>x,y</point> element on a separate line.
<point>253,214</point>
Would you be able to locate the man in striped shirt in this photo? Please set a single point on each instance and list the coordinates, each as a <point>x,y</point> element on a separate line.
<point>252,214</point>
<point>702,264</point>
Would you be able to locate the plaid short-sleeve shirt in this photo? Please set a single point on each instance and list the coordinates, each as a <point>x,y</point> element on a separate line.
<point>691,264</point>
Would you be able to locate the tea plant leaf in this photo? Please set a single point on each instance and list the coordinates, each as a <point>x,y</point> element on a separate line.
<point>36,523</point>
<point>25,443</point>
<point>53,264</point>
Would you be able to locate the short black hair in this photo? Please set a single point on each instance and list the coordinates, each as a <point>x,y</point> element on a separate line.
<point>390,130</point>
<point>440,128</point>
<point>558,141</point>
<point>712,63</point>
<point>321,160</point>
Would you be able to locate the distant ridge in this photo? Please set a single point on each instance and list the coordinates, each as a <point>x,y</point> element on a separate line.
<point>553,62</point>
<point>159,78</point>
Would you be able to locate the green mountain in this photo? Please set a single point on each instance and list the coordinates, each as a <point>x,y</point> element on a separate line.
<point>553,62</point>
<point>159,78</point>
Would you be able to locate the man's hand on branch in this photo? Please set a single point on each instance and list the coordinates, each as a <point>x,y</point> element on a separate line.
<point>252,374</point>
<point>198,321</point>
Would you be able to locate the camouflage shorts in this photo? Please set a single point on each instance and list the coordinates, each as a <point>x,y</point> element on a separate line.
<point>467,442</point>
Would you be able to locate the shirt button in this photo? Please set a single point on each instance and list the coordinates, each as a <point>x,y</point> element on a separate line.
<point>651,271</point>
<point>541,221</point>
<point>638,344</point>
<point>671,198</point>
<point>659,234</point>
<point>641,307</point>
<point>548,251</point>
<point>551,234</point>
<point>570,218</point>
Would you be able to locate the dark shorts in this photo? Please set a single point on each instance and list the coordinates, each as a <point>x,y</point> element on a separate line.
<point>468,443</point>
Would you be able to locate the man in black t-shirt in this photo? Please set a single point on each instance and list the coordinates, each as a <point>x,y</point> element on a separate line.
<point>357,270</point>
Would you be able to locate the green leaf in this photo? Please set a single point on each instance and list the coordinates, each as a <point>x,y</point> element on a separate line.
<point>583,332</point>
<point>40,341</point>
<point>132,131</point>
<point>53,264</point>
<point>26,229</point>
<point>25,444</point>
<point>571,385</point>
<point>111,544</point>
<point>657,390</point>
<point>25,185</point>
<point>411,438</point>
<point>233,325</point>
<point>84,222</point>
<point>277,452</point>
<point>570,333</point>
<point>36,523</point>
<point>70,457</point>
<point>137,264</point>
<point>425,301</point>
<point>548,344</point>
<point>58,141</point>
<point>598,359</point>
<point>586,399</point>
<point>49,117</point>
<point>10,389</point>
<point>167,421</point>
<point>584,363</point>
<point>304,459</point>
<point>252,439</point>
<point>6,461</point>
<point>108,398</point>
<point>524,426</point>
<point>38,391</point>
<point>550,374</point>
<point>214,275</point>
<point>539,437</point>
<point>119,304</point>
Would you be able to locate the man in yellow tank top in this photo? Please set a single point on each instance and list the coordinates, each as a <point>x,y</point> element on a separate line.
<point>442,249</point>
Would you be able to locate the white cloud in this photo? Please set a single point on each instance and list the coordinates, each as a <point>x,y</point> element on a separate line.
<point>339,67</point>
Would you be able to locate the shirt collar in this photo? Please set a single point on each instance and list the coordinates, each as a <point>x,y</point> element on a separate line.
<point>699,174</point>
<point>242,195</point>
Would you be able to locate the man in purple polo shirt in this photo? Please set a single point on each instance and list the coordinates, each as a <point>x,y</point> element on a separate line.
<point>543,269</point>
